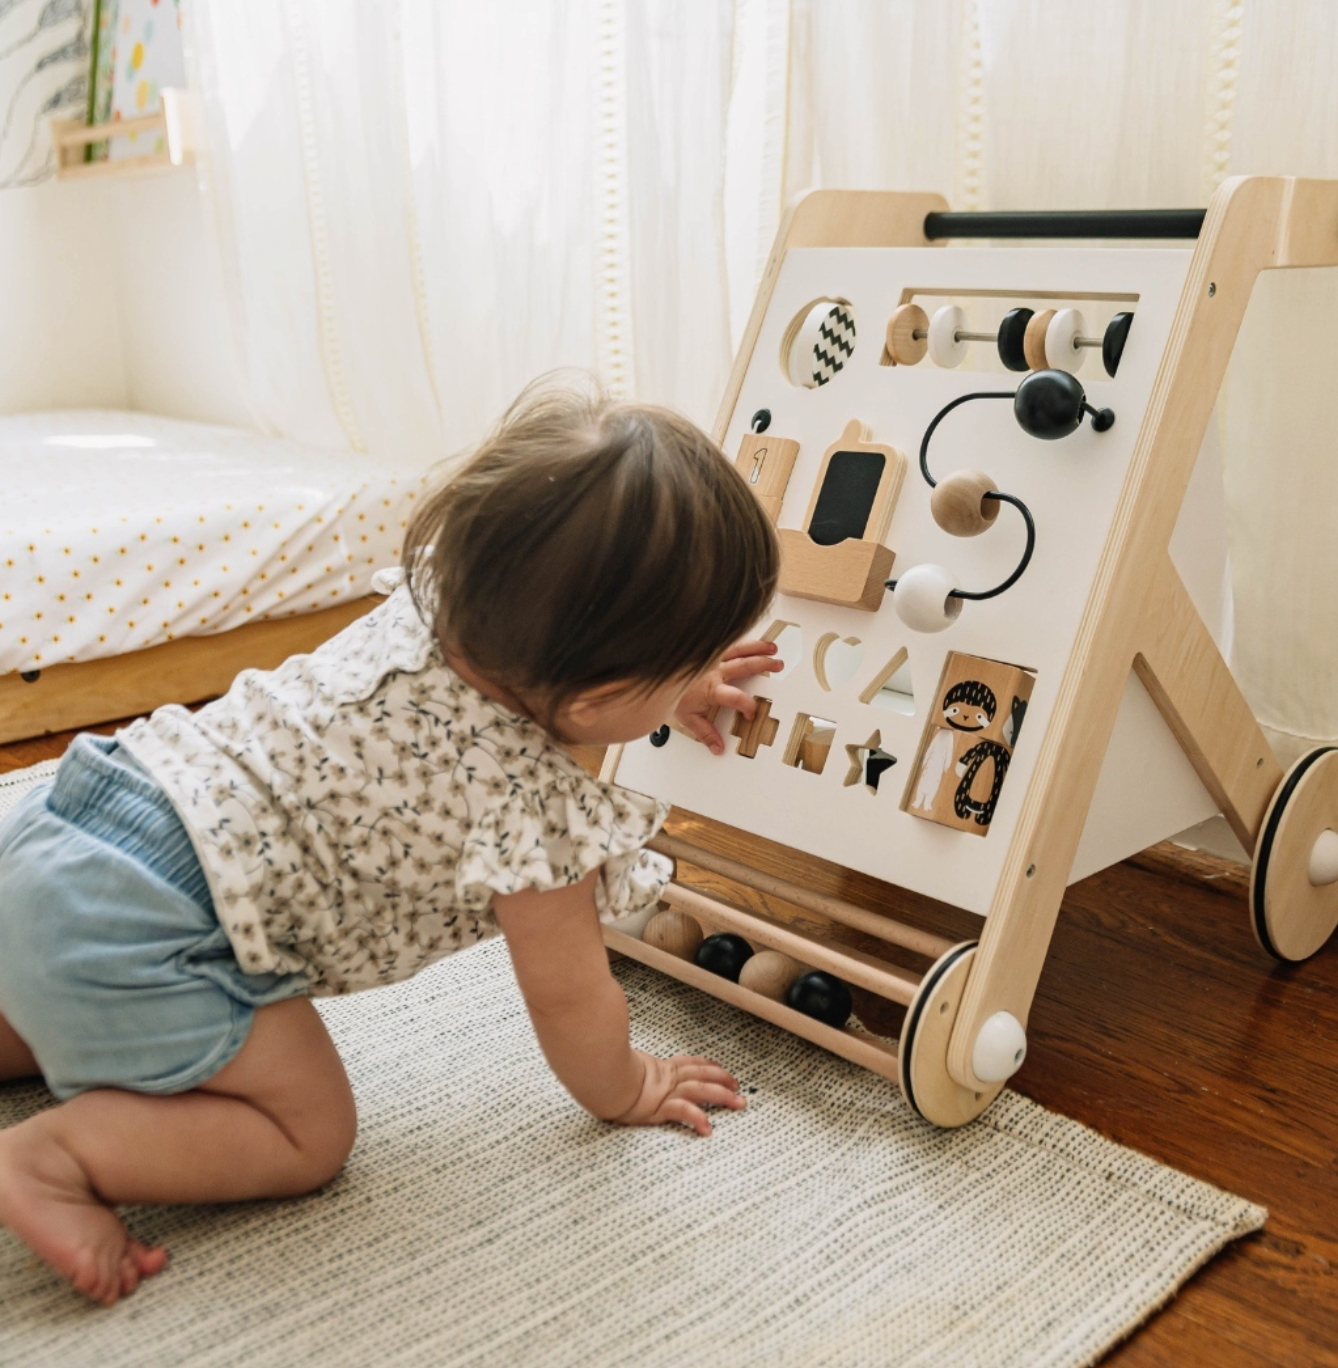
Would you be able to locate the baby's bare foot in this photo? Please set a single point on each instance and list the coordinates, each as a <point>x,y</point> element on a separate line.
<point>47,1201</point>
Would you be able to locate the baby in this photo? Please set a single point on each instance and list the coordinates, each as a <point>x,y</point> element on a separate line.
<point>172,900</point>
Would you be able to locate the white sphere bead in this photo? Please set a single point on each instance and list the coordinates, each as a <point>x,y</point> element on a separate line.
<point>945,348</point>
<point>1324,859</point>
<point>1061,349</point>
<point>1000,1048</point>
<point>921,598</point>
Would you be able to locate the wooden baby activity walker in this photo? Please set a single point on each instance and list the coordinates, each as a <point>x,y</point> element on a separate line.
<point>1000,619</point>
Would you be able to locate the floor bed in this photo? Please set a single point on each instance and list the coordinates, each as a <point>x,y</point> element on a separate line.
<point>146,559</point>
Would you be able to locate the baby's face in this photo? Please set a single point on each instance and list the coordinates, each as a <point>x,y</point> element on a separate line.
<point>613,713</point>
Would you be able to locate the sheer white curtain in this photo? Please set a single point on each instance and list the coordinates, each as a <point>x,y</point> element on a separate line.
<point>423,203</point>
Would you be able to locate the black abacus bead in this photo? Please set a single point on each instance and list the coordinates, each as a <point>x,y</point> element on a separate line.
<point>724,954</point>
<point>1113,340</point>
<point>1012,333</point>
<point>1048,404</point>
<point>660,735</point>
<point>821,996</point>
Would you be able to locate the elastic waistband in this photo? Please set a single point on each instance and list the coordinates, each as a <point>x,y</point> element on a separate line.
<point>99,789</point>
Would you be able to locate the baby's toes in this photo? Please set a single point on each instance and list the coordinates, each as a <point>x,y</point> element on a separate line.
<point>148,1260</point>
<point>97,1274</point>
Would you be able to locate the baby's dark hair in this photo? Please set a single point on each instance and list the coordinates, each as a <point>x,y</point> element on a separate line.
<point>588,542</point>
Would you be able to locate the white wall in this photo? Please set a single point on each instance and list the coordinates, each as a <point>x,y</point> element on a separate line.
<point>176,341</point>
<point>110,297</point>
<point>60,338</point>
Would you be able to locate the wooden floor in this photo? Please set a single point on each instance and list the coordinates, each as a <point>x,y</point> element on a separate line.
<point>1161,1024</point>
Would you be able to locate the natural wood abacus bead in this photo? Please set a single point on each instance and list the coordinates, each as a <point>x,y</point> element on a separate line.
<point>675,933</point>
<point>903,347</point>
<point>770,973</point>
<point>1033,341</point>
<point>959,505</point>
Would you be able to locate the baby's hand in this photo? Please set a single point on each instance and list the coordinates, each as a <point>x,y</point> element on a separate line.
<point>714,690</point>
<point>678,1089</point>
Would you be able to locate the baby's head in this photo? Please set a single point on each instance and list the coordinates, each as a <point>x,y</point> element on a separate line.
<point>590,559</point>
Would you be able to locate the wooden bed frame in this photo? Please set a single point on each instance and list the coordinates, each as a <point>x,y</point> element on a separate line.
<point>188,670</point>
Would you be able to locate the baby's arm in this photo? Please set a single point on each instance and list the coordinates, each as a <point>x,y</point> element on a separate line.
<point>580,1016</point>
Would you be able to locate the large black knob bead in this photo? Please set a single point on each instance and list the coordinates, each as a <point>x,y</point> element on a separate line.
<point>724,954</point>
<point>821,996</point>
<point>1012,336</point>
<point>1049,404</point>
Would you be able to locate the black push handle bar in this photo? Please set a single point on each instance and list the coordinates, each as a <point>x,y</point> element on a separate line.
<point>1069,223</point>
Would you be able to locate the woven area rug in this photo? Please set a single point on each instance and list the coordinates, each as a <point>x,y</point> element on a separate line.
<point>484,1220</point>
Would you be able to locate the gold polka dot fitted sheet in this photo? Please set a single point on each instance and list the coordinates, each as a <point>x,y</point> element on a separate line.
<point>120,531</point>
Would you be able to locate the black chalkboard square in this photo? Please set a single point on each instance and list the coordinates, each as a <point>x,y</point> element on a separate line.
<point>846,499</point>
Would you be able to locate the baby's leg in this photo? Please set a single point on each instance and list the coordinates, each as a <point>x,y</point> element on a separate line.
<point>16,1059</point>
<point>278,1120</point>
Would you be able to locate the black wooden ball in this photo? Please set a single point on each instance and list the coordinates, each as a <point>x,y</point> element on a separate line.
<point>724,954</point>
<point>822,996</point>
<point>1049,404</point>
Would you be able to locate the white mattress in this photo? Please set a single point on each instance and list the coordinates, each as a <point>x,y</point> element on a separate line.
<point>120,531</point>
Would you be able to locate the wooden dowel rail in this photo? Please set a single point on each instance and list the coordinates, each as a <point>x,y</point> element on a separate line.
<point>858,918</point>
<point>871,1052</point>
<point>897,985</point>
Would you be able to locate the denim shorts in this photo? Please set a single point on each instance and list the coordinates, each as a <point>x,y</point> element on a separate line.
<point>113,966</point>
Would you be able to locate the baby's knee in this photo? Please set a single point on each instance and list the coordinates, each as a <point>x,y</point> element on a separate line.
<point>324,1143</point>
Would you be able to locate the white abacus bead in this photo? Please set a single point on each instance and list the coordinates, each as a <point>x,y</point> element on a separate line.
<point>1324,859</point>
<point>1061,349</point>
<point>1000,1048</point>
<point>945,347</point>
<point>922,598</point>
<point>804,348</point>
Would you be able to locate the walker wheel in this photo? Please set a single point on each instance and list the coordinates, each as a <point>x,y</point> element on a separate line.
<point>922,1052</point>
<point>1294,879</point>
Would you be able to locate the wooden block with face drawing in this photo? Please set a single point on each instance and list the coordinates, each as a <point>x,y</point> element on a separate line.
<point>968,742</point>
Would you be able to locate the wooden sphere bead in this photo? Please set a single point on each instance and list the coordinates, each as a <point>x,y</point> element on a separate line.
<point>903,347</point>
<point>675,933</point>
<point>959,505</point>
<point>1033,340</point>
<point>770,973</point>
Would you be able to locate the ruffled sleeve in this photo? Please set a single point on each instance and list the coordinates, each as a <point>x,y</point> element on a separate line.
<point>553,836</point>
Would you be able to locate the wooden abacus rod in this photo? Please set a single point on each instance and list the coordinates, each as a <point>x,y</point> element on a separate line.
<point>858,918</point>
<point>854,966</point>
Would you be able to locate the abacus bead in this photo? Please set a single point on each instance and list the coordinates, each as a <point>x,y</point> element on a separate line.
<point>724,954</point>
<point>1113,340</point>
<point>1033,341</point>
<point>1012,339</point>
<point>903,347</point>
<point>821,996</point>
<point>945,348</point>
<point>675,933</point>
<point>959,505</point>
<point>922,601</point>
<point>1061,353</point>
<point>770,973</point>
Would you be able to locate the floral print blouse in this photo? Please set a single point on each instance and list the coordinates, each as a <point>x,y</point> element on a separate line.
<point>356,809</point>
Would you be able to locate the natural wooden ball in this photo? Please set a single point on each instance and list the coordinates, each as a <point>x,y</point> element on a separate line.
<point>675,933</point>
<point>770,973</point>
<point>959,505</point>
<point>1033,340</point>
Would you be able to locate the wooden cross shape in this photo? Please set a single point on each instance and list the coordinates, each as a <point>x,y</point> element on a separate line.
<point>761,731</point>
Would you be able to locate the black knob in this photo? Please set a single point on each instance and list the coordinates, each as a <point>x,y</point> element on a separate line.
<point>1049,404</point>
